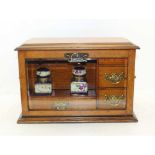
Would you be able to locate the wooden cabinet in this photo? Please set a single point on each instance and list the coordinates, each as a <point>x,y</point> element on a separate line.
<point>110,76</point>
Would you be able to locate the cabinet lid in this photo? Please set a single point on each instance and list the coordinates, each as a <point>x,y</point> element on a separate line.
<point>76,43</point>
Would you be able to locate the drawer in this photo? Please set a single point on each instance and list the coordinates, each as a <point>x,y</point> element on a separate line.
<point>113,61</point>
<point>61,103</point>
<point>112,99</point>
<point>112,76</point>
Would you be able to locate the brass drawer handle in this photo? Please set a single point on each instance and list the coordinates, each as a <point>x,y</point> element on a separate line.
<point>76,57</point>
<point>60,106</point>
<point>115,78</point>
<point>114,99</point>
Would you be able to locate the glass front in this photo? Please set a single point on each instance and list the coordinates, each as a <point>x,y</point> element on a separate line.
<point>60,85</point>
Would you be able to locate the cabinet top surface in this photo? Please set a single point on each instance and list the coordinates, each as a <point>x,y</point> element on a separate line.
<point>76,43</point>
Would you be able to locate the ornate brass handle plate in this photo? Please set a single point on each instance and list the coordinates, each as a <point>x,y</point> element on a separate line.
<point>60,106</point>
<point>114,99</point>
<point>76,57</point>
<point>115,78</point>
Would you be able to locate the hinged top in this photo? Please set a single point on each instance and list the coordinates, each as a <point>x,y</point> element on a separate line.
<point>76,43</point>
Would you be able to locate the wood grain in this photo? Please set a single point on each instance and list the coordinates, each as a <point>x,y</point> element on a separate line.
<point>108,55</point>
<point>76,43</point>
<point>94,119</point>
<point>131,77</point>
<point>113,62</point>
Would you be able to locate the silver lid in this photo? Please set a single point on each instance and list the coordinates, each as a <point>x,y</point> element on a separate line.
<point>79,71</point>
<point>43,72</point>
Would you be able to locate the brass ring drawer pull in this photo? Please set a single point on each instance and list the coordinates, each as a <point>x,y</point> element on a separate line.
<point>60,106</point>
<point>115,78</point>
<point>114,99</point>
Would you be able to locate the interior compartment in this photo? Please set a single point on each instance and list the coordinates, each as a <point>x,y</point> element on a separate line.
<point>61,75</point>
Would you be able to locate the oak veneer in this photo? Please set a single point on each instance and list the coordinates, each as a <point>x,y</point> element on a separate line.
<point>110,97</point>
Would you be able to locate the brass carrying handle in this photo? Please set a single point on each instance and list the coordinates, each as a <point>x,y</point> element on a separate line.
<point>114,99</point>
<point>60,106</point>
<point>115,78</point>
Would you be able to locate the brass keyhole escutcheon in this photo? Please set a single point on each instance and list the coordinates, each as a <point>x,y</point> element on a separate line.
<point>60,105</point>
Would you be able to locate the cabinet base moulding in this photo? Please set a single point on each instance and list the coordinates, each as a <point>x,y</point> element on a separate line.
<point>76,119</point>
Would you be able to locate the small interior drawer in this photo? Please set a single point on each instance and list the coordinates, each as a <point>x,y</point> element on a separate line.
<point>112,99</point>
<point>113,61</point>
<point>61,103</point>
<point>112,76</point>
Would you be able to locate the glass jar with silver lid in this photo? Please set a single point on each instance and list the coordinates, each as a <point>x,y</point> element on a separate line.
<point>43,85</point>
<point>79,85</point>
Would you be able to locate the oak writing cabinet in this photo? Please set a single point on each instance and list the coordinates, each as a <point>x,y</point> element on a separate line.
<point>77,80</point>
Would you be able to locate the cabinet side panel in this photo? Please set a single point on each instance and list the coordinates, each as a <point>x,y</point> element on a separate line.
<point>23,81</point>
<point>130,82</point>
